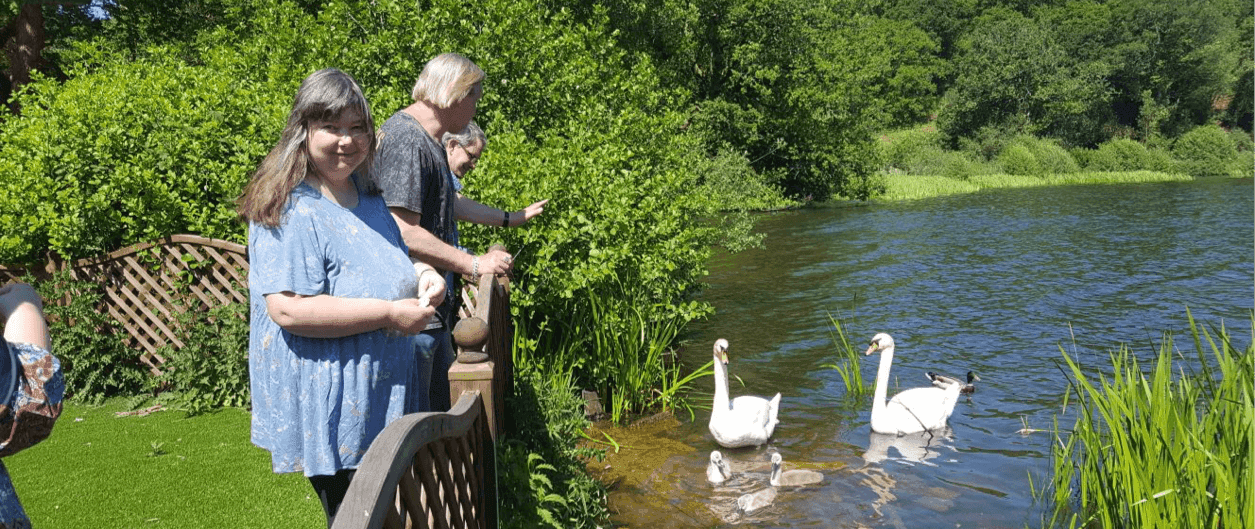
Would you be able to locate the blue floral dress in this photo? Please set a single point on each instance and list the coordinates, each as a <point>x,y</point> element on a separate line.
<point>319,402</point>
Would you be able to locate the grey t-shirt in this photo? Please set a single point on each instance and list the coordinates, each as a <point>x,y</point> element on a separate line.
<point>411,170</point>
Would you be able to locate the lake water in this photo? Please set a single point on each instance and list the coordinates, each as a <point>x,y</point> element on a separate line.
<point>994,282</point>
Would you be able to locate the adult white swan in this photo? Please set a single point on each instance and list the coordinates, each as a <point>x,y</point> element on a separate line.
<point>746,420</point>
<point>913,410</point>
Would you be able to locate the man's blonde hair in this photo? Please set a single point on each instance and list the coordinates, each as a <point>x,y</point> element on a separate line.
<point>447,79</point>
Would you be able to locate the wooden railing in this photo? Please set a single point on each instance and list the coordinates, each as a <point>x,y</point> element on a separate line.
<point>427,470</point>
<point>484,337</point>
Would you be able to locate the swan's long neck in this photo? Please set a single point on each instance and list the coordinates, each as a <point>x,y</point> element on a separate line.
<point>721,385</point>
<point>882,381</point>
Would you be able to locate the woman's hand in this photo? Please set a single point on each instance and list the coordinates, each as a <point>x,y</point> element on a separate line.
<point>431,287</point>
<point>410,316</point>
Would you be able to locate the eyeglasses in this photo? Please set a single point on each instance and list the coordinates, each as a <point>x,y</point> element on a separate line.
<point>357,132</point>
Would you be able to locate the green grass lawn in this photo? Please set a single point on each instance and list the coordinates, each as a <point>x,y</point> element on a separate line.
<point>101,471</point>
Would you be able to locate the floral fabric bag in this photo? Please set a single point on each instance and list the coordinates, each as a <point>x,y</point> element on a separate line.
<point>31,390</point>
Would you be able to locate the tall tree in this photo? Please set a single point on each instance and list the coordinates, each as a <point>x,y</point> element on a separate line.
<point>1011,74</point>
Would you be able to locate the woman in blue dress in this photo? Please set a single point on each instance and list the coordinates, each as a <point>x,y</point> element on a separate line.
<point>334,298</point>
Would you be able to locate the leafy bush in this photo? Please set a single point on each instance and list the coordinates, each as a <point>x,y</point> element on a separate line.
<point>1120,154</point>
<point>543,478</point>
<point>95,164</point>
<point>95,360</point>
<point>211,369</point>
<point>1018,159</point>
<point>1052,157</point>
<point>911,151</point>
<point>1205,151</point>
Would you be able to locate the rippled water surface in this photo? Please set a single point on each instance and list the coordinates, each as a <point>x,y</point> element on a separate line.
<point>994,282</point>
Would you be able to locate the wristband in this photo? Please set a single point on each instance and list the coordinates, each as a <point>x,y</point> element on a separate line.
<point>505,223</point>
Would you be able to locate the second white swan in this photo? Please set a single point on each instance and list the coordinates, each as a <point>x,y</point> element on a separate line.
<point>910,411</point>
<point>745,420</point>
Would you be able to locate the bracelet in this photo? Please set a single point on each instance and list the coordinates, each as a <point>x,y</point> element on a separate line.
<point>505,223</point>
<point>475,266</point>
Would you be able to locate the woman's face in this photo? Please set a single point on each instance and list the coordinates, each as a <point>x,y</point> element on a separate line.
<point>337,147</point>
<point>463,159</point>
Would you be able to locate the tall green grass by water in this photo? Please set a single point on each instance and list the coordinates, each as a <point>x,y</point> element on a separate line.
<point>847,365</point>
<point>910,187</point>
<point>1168,448</point>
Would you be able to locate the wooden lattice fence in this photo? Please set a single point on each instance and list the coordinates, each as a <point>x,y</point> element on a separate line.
<point>145,286</point>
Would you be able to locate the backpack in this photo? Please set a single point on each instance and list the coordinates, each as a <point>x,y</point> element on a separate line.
<point>31,390</point>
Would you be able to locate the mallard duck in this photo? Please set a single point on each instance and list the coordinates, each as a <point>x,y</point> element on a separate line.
<point>718,471</point>
<point>792,478</point>
<point>745,420</point>
<point>942,381</point>
<point>913,410</point>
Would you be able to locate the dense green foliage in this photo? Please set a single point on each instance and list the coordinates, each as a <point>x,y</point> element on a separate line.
<point>1158,445</point>
<point>1203,151</point>
<point>1207,151</point>
<point>95,360</point>
<point>210,370</point>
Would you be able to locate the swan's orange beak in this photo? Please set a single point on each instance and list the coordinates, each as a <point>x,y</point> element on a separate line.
<point>875,346</point>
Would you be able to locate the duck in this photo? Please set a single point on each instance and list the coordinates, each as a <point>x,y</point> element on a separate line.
<point>913,410</point>
<point>718,471</point>
<point>754,501</point>
<point>941,381</point>
<point>743,421</point>
<point>792,478</point>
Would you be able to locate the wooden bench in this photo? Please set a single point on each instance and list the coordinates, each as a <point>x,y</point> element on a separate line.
<point>425,470</point>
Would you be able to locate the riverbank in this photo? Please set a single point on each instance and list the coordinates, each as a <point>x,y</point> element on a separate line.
<point>913,187</point>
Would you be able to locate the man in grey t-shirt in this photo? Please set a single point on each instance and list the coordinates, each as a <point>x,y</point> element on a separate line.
<point>410,168</point>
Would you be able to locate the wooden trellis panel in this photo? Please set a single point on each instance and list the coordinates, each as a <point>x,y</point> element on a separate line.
<point>141,286</point>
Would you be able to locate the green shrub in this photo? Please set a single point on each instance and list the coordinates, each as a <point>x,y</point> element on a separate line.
<point>911,151</point>
<point>1018,159</point>
<point>1205,151</point>
<point>114,163</point>
<point>1120,154</point>
<point>210,370</point>
<point>94,358</point>
<point>1159,159</point>
<point>1052,157</point>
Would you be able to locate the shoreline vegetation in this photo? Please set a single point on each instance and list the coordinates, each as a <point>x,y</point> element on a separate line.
<point>914,187</point>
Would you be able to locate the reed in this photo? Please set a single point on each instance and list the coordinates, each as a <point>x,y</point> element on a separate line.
<point>848,363</point>
<point>1171,448</point>
<point>618,345</point>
